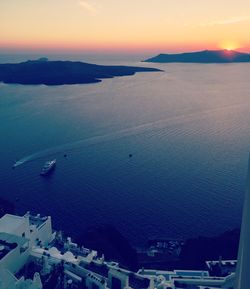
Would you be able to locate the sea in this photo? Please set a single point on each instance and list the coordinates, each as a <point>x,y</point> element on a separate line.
<point>157,154</point>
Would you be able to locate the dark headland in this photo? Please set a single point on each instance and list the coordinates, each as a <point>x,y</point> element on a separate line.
<point>47,72</point>
<point>205,56</point>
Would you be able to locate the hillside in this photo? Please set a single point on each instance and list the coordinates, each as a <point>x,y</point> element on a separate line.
<point>62,72</point>
<point>206,56</point>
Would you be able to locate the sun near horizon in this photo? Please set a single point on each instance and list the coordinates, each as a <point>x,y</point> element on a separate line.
<point>230,45</point>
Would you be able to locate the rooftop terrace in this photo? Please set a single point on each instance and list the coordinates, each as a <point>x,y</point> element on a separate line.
<point>10,223</point>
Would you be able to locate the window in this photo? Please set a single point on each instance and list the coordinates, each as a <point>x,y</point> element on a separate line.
<point>94,286</point>
<point>116,283</point>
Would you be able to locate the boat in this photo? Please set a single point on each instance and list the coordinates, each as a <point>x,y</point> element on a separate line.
<point>16,164</point>
<point>48,167</point>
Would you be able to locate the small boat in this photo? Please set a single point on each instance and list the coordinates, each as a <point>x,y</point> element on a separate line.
<point>48,167</point>
<point>16,164</point>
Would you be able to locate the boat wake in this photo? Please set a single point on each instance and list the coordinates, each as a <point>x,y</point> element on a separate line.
<point>18,163</point>
<point>136,130</point>
<point>70,147</point>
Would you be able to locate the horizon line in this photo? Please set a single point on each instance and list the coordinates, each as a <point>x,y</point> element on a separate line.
<point>116,51</point>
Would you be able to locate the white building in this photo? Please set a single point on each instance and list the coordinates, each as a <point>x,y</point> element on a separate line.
<point>18,235</point>
<point>29,238</point>
<point>188,279</point>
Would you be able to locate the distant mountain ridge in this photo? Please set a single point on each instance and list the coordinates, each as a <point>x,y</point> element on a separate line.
<point>46,72</point>
<point>205,56</point>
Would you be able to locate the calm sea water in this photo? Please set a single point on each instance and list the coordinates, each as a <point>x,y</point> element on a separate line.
<point>188,129</point>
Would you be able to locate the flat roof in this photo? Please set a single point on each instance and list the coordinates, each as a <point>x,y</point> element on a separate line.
<point>13,239</point>
<point>10,223</point>
<point>198,273</point>
<point>7,278</point>
<point>9,242</point>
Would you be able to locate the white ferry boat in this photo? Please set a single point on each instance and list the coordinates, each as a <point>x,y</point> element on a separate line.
<point>48,167</point>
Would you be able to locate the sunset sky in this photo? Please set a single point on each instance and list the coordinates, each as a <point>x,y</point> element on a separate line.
<point>124,25</point>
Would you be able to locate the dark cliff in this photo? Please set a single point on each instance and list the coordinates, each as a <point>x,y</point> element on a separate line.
<point>62,72</point>
<point>206,56</point>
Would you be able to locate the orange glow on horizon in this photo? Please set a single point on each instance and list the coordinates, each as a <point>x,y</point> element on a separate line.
<point>74,47</point>
<point>124,26</point>
<point>230,45</point>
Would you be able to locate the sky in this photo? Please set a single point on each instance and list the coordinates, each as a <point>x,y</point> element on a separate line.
<point>124,25</point>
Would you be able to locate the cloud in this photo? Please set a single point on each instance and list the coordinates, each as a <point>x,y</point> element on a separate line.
<point>88,6</point>
<point>232,20</point>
